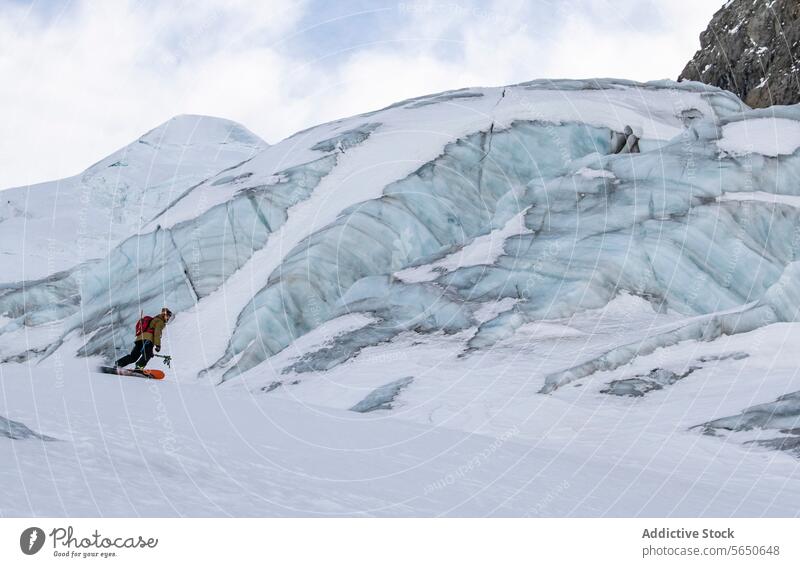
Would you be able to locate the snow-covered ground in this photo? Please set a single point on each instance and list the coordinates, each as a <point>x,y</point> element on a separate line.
<point>469,437</point>
<point>462,304</point>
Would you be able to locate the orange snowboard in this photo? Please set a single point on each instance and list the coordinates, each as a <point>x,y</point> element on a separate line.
<point>146,373</point>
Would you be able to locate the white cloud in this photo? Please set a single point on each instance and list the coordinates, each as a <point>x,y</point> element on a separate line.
<point>96,78</point>
<point>618,47</point>
<point>81,84</point>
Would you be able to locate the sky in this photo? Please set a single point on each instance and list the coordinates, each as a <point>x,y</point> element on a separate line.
<point>81,79</point>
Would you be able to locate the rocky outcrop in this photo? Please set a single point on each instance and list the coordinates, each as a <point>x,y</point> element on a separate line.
<point>751,49</point>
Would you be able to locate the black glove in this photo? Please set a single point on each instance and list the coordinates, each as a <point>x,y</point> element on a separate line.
<point>158,348</point>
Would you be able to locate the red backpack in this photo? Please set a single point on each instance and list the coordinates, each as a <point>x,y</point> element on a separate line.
<point>143,325</point>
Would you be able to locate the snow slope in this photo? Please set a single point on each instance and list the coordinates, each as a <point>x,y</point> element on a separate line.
<point>139,448</point>
<point>53,226</point>
<point>536,325</point>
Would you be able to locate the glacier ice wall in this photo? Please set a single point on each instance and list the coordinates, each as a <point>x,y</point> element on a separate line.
<point>474,186</point>
<point>176,266</point>
<point>681,224</point>
<point>654,225</point>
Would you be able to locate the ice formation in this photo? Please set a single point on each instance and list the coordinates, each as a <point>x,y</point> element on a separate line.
<point>783,413</point>
<point>382,397</point>
<point>514,194</point>
<point>638,386</point>
<point>660,378</point>
<point>16,430</point>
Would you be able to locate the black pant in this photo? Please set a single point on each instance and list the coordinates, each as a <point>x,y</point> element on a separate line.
<point>141,354</point>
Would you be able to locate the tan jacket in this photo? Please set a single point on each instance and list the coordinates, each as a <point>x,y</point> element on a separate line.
<point>153,332</point>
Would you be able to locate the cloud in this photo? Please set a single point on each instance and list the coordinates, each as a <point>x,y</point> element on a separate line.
<point>85,80</point>
<point>615,41</point>
<point>90,80</point>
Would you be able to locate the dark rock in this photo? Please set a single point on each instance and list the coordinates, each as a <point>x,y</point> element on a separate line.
<point>751,49</point>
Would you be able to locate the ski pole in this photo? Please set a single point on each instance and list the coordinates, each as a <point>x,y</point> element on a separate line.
<point>167,359</point>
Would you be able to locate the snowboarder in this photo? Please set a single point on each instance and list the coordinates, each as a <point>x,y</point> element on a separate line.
<point>148,337</point>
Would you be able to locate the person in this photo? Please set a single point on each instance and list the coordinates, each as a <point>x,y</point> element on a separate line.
<point>147,339</point>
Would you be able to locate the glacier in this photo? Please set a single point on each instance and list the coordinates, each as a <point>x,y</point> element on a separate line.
<point>593,224</point>
<point>486,251</point>
<point>50,227</point>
